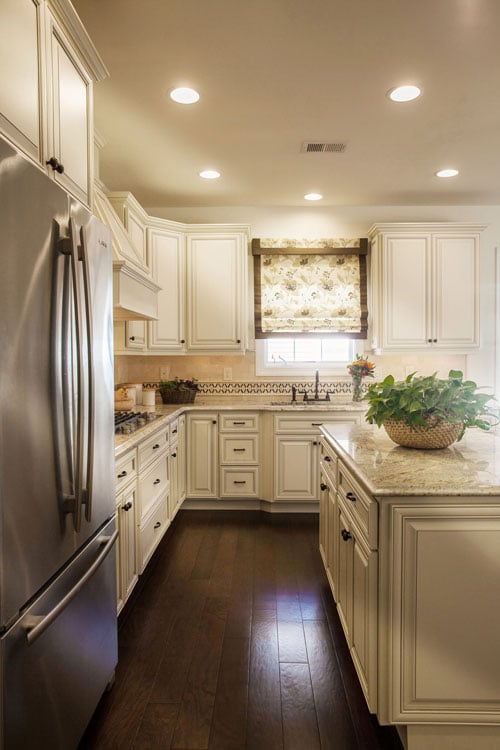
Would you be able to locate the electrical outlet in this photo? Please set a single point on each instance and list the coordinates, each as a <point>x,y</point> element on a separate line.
<point>164,372</point>
<point>228,373</point>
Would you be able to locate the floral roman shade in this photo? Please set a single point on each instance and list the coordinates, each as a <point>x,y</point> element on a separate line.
<point>310,287</point>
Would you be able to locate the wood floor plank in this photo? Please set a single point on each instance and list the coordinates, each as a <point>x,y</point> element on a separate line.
<point>157,727</point>
<point>230,709</point>
<point>264,727</point>
<point>300,728</point>
<point>291,642</point>
<point>332,709</point>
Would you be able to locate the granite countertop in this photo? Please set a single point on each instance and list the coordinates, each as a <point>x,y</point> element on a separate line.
<point>469,467</point>
<point>165,413</point>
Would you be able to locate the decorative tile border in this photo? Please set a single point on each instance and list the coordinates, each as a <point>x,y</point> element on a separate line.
<point>266,388</point>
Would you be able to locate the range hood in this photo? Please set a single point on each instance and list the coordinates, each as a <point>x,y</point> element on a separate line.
<point>135,294</point>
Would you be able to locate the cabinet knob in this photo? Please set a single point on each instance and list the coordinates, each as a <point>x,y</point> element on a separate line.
<point>183,341</point>
<point>327,459</point>
<point>131,338</point>
<point>157,525</point>
<point>127,506</point>
<point>214,421</point>
<point>121,474</point>
<point>351,496</point>
<point>174,455</point>
<point>55,164</point>
<point>315,442</point>
<point>434,341</point>
<point>157,481</point>
<point>345,535</point>
<point>323,486</point>
<point>238,341</point>
<point>155,446</point>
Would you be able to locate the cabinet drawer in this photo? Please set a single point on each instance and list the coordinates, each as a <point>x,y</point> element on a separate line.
<point>237,482</point>
<point>173,431</point>
<point>362,507</point>
<point>125,470</point>
<point>151,532</point>
<point>309,423</point>
<point>239,422</point>
<point>239,450</point>
<point>329,462</point>
<point>152,484</point>
<point>152,447</point>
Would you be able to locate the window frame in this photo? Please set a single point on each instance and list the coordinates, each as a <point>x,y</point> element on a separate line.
<point>303,368</point>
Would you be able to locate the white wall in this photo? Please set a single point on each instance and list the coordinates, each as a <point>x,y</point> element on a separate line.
<point>354,221</point>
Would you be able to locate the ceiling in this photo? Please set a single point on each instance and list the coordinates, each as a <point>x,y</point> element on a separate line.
<point>275,73</point>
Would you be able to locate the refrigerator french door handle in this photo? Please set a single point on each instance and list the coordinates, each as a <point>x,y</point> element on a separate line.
<point>81,376</point>
<point>88,373</point>
<point>62,403</point>
<point>36,625</point>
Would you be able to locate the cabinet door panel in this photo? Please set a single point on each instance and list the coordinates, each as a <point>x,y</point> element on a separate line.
<point>343,576</point>
<point>202,455</point>
<point>20,93</point>
<point>71,112</point>
<point>296,470</point>
<point>407,292</point>
<point>214,293</point>
<point>457,298</point>
<point>167,265</point>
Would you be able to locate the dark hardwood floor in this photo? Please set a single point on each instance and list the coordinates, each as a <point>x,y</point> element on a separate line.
<point>232,642</point>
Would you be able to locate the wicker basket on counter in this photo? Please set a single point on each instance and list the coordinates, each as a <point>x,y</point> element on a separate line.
<point>177,396</point>
<point>431,436</point>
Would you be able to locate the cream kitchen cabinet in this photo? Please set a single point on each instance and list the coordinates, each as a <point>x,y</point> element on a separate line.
<point>425,287</point>
<point>202,455</point>
<point>177,466</point>
<point>126,548</point>
<point>168,266</point>
<point>153,488</point>
<point>296,453</point>
<point>135,220</point>
<point>47,95</point>
<point>216,291</point>
<point>239,455</point>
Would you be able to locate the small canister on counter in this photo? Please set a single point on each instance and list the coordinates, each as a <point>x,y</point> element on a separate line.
<point>138,392</point>
<point>148,396</point>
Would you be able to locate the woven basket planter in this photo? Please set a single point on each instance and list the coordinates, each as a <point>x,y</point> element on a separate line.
<point>177,396</point>
<point>428,437</point>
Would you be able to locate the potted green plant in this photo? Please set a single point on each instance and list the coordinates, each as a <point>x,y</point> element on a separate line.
<point>427,411</point>
<point>178,391</point>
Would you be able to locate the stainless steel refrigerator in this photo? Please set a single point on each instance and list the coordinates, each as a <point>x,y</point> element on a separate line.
<point>58,644</point>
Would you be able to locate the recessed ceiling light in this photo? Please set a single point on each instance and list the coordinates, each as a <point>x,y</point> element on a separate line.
<point>209,174</point>
<point>447,173</point>
<point>403,93</point>
<point>184,95</point>
<point>313,197</point>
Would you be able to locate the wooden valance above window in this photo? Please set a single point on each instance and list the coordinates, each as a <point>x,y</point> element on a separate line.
<point>310,287</point>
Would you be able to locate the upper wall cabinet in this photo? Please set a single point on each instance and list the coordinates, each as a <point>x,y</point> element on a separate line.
<point>167,259</point>
<point>216,291</point>
<point>47,95</point>
<point>425,287</point>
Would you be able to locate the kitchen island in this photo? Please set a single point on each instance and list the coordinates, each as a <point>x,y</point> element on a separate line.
<point>410,540</point>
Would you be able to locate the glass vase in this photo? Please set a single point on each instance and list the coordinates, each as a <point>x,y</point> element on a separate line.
<point>357,389</point>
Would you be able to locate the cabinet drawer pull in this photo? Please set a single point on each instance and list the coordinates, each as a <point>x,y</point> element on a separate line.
<point>239,481</point>
<point>127,506</point>
<point>351,496</point>
<point>239,422</point>
<point>157,481</point>
<point>327,459</point>
<point>316,424</point>
<point>239,450</point>
<point>323,486</point>
<point>155,447</point>
<point>121,474</point>
<point>345,535</point>
<point>157,525</point>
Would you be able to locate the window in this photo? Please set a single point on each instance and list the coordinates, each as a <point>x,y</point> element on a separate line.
<point>302,355</point>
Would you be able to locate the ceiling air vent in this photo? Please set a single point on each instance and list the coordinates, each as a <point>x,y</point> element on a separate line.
<point>313,147</point>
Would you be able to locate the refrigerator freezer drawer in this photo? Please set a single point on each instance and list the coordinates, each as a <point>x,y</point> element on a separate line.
<point>54,676</point>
